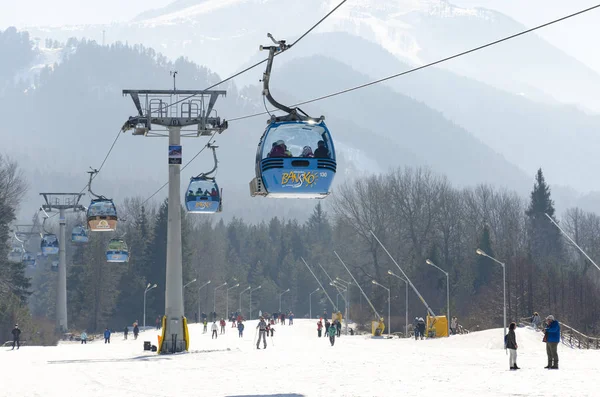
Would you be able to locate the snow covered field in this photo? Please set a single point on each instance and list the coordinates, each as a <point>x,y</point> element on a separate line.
<point>298,364</point>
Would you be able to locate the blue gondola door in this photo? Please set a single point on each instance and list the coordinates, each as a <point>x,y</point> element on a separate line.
<point>49,244</point>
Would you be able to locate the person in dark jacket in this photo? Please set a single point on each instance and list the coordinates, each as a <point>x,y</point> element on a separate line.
<point>552,338</point>
<point>240,327</point>
<point>338,327</point>
<point>421,326</point>
<point>106,336</point>
<point>136,330</point>
<point>332,331</point>
<point>319,328</point>
<point>511,345</point>
<point>125,332</point>
<point>327,326</point>
<point>16,333</point>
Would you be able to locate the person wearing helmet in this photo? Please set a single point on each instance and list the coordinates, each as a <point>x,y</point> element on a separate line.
<point>262,333</point>
<point>279,149</point>
<point>416,328</point>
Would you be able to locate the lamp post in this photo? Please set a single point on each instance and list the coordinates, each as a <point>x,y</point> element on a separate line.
<point>148,288</point>
<point>346,284</point>
<point>389,305</point>
<point>227,300</point>
<point>193,281</point>
<point>202,286</point>
<point>339,284</point>
<point>280,295</point>
<point>480,252</point>
<point>241,293</point>
<point>215,297</point>
<point>250,306</point>
<point>406,300</point>
<point>310,302</point>
<point>430,263</point>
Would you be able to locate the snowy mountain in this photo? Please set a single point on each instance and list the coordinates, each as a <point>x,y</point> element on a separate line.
<point>223,34</point>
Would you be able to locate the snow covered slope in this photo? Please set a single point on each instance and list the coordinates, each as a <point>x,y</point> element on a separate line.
<point>296,363</point>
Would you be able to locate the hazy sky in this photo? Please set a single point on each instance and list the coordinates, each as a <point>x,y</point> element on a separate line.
<point>575,37</point>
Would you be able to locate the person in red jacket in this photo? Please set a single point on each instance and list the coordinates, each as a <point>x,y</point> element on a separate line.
<point>222,323</point>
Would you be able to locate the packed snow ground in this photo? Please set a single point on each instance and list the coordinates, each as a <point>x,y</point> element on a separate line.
<point>298,364</point>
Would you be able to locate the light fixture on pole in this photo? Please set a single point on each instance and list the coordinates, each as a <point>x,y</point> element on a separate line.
<point>241,293</point>
<point>227,300</point>
<point>310,302</point>
<point>148,288</point>
<point>199,289</point>
<point>406,300</point>
<point>389,305</point>
<point>430,263</point>
<point>193,281</point>
<point>341,287</point>
<point>250,305</point>
<point>215,296</point>
<point>280,295</point>
<point>480,252</point>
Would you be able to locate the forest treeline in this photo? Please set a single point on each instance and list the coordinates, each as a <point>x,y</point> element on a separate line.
<point>417,214</point>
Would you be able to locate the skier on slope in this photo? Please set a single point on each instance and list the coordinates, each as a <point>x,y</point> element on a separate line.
<point>327,326</point>
<point>222,324</point>
<point>240,327</point>
<point>106,336</point>
<point>16,333</point>
<point>332,332</point>
<point>262,333</point>
<point>214,328</point>
<point>136,330</point>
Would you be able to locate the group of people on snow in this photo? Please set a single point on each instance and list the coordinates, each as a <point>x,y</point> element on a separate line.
<point>332,329</point>
<point>551,338</point>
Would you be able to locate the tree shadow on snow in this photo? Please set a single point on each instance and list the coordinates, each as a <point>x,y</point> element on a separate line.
<point>269,395</point>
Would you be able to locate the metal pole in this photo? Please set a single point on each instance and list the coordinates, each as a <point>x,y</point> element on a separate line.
<point>574,243</point>
<point>199,289</point>
<point>174,340</point>
<point>331,280</point>
<point>358,285</point>
<point>144,321</point>
<point>61,296</point>
<point>448,301</point>
<point>504,282</point>
<point>405,276</point>
<point>310,305</point>
<point>389,315</point>
<point>480,252</point>
<point>429,262</point>
<point>406,314</point>
<point>320,285</point>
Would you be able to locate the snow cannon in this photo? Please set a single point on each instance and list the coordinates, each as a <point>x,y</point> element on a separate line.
<point>436,326</point>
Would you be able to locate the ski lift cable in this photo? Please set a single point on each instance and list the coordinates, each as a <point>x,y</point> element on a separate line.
<point>481,47</point>
<point>182,168</point>
<point>103,161</point>
<point>260,62</point>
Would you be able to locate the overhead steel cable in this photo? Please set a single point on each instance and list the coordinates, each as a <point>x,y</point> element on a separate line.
<point>481,47</point>
<point>260,62</point>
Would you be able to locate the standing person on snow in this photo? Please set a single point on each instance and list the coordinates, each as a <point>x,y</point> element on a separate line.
<point>83,338</point>
<point>240,327</point>
<point>106,336</point>
<point>453,325</point>
<point>338,326</point>
<point>136,330</point>
<point>262,333</point>
<point>291,318</point>
<point>416,328</point>
<point>214,328</point>
<point>205,323</point>
<point>327,326</point>
<point>332,332</point>
<point>421,326</point>
<point>319,328</point>
<point>16,333</point>
<point>536,321</point>
<point>552,338</point>
<point>222,324</point>
<point>125,332</point>
<point>511,345</point>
